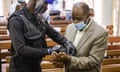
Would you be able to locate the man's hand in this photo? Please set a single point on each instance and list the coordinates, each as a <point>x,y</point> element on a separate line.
<point>56,61</point>
<point>64,57</point>
<point>59,59</point>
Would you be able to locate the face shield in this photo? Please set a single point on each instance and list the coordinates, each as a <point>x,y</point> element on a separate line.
<point>21,1</point>
<point>41,5</point>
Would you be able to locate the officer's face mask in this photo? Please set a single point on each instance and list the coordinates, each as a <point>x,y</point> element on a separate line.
<point>80,26</point>
<point>40,6</point>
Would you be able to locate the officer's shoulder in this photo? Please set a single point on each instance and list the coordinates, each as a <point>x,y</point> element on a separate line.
<point>15,16</point>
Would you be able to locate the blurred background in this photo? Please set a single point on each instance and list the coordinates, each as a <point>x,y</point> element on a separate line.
<point>107,12</point>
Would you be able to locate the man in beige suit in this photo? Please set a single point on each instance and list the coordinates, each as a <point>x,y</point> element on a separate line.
<point>90,40</point>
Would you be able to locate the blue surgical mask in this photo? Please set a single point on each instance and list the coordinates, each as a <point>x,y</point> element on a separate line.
<point>80,26</point>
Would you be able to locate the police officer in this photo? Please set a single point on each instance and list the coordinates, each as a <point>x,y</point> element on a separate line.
<point>27,32</point>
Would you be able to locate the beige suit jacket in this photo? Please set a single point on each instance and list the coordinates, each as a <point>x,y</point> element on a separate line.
<point>90,49</point>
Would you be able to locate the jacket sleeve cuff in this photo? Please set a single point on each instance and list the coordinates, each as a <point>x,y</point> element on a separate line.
<point>72,62</point>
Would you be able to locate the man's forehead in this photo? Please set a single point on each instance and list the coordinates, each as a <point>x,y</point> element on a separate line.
<point>77,8</point>
<point>77,5</point>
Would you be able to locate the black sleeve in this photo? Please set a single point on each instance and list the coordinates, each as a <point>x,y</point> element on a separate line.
<point>56,36</point>
<point>18,41</point>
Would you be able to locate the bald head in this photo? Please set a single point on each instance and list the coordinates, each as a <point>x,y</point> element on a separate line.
<point>83,6</point>
<point>80,11</point>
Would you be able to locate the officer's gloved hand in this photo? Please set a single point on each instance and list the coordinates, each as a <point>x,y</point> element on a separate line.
<point>56,49</point>
<point>70,48</point>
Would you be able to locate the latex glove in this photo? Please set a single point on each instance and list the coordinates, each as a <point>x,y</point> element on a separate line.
<point>70,48</point>
<point>56,49</point>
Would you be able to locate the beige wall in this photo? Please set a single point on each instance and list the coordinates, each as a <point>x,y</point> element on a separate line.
<point>6,5</point>
<point>1,6</point>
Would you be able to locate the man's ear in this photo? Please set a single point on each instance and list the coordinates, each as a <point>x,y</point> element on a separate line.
<point>88,15</point>
<point>87,18</point>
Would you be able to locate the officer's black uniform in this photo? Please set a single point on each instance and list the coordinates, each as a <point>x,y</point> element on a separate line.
<point>29,45</point>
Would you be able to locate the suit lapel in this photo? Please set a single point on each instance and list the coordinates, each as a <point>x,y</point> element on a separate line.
<point>84,38</point>
<point>73,33</point>
<point>86,35</point>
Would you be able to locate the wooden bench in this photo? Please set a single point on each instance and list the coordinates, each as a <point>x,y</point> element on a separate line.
<point>111,68</point>
<point>112,57</point>
<point>112,62</point>
<point>4,37</point>
<point>113,47</point>
<point>6,44</point>
<point>3,32</point>
<point>114,39</point>
<point>113,52</point>
<point>3,27</point>
<point>114,42</point>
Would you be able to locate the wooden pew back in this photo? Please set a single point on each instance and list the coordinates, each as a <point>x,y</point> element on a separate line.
<point>112,57</point>
<point>112,63</point>
<point>113,42</point>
